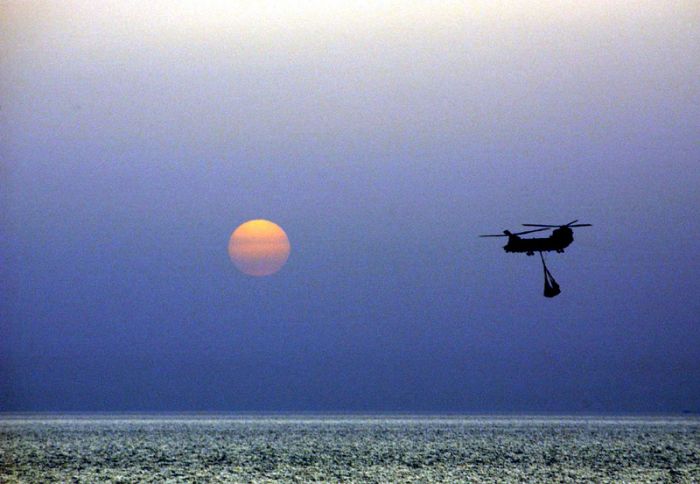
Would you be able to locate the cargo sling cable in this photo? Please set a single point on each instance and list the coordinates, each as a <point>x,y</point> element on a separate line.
<point>551,288</point>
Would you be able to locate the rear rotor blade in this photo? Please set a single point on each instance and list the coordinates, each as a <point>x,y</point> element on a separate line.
<point>569,224</point>
<point>531,231</point>
<point>539,225</point>
<point>517,233</point>
<point>580,225</point>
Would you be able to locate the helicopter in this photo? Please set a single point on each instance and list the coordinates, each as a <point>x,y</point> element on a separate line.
<point>562,236</point>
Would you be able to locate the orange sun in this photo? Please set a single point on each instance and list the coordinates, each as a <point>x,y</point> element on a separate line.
<point>259,247</point>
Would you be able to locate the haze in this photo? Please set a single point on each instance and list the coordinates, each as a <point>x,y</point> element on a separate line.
<point>383,139</point>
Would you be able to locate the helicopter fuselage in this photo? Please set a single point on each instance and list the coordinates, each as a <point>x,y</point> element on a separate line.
<point>560,239</point>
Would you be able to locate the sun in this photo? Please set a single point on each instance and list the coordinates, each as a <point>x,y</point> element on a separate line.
<point>259,247</point>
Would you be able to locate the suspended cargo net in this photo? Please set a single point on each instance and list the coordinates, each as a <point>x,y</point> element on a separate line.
<point>551,288</point>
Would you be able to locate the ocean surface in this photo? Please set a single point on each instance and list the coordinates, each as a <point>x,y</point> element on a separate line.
<point>397,448</point>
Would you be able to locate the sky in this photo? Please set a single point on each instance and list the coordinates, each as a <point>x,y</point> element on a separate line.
<point>384,137</point>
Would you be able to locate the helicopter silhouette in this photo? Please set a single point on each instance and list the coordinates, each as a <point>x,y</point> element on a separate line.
<point>562,236</point>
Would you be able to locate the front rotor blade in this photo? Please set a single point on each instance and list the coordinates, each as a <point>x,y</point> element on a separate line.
<point>494,235</point>
<point>569,224</point>
<point>539,225</point>
<point>580,225</point>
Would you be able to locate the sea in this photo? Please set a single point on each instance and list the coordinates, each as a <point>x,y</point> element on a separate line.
<point>348,448</point>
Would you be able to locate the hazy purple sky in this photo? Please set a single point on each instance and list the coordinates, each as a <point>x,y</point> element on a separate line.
<point>134,137</point>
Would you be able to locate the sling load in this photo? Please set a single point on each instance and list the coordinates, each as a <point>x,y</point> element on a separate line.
<point>551,288</point>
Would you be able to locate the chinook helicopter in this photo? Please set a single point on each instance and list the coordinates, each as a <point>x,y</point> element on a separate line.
<point>562,236</point>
